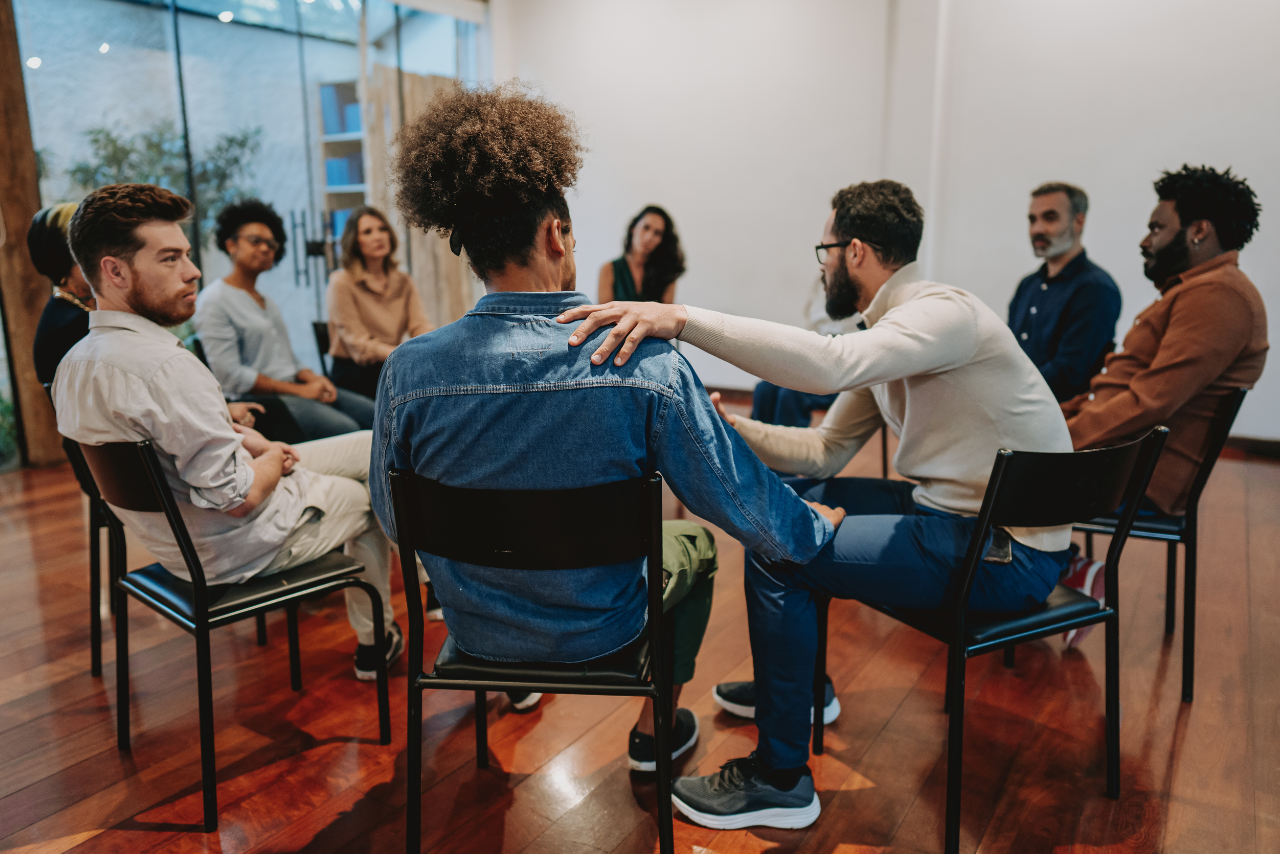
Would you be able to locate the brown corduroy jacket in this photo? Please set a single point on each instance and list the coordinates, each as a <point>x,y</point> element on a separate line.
<point>1205,335</point>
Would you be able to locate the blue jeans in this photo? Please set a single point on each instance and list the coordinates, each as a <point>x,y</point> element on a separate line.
<point>349,413</point>
<point>890,551</point>
<point>787,407</point>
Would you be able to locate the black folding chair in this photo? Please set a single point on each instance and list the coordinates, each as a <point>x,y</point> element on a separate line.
<point>531,530</point>
<point>130,477</point>
<point>320,329</point>
<point>1179,529</point>
<point>100,516</point>
<point>1027,490</point>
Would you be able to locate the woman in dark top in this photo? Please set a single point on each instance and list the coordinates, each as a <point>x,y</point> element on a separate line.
<point>650,264</point>
<point>65,319</point>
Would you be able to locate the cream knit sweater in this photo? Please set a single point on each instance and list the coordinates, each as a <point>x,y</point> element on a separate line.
<point>938,366</point>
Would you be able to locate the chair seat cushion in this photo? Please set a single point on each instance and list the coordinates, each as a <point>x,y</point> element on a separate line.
<point>1169,526</point>
<point>1063,605</point>
<point>627,666</point>
<point>159,587</point>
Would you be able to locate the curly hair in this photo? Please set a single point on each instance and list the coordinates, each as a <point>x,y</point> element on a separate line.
<point>665,263</point>
<point>239,214</point>
<point>485,166</point>
<point>1204,193</point>
<point>106,222</point>
<point>883,214</point>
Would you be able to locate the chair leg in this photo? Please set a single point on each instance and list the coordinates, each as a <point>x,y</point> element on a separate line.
<point>208,753</point>
<point>413,808</point>
<point>822,604</point>
<point>380,640</point>
<point>1189,614</point>
<point>1010,656</point>
<point>95,591</point>
<point>122,669</point>
<point>482,730</point>
<point>1088,544</point>
<point>1113,707</point>
<point>1171,589</point>
<point>262,630</point>
<point>295,654</point>
<point>955,752</point>
<point>662,720</point>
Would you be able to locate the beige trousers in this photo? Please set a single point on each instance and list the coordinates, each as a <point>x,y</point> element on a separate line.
<point>338,514</point>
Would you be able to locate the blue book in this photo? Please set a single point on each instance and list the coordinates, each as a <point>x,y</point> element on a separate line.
<point>355,168</point>
<point>336,170</point>
<point>351,115</point>
<point>329,112</point>
<point>340,222</point>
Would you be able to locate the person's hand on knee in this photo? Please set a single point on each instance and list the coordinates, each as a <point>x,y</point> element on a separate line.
<point>834,515</point>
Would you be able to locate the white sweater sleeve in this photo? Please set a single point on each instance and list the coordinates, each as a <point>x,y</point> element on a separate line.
<point>935,331</point>
<point>821,452</point>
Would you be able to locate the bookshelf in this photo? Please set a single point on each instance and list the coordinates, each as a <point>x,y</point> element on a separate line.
<point>342,140</point>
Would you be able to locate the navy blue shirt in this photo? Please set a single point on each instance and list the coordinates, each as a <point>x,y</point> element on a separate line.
<point>1066,324</point>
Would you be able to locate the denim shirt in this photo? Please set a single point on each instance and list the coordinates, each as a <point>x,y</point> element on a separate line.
<point>499,400</point>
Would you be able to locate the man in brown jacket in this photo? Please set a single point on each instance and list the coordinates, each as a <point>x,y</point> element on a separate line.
<point>1205,335</point>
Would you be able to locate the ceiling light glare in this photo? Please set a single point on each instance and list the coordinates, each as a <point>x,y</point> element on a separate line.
<point>33,62</point>
<point>225,17</point>
<point>105,47</point>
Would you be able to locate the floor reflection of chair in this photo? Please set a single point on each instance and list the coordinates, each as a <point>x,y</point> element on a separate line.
<point>530,531</point>
<point>1027,490</point>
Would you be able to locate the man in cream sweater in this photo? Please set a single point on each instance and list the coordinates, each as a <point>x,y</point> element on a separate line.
<point>946,374</point>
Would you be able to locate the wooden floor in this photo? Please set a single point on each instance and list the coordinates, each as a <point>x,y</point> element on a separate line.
<point>304,772</point>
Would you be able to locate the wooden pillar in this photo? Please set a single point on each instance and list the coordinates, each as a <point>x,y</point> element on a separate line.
<point>23,291</point>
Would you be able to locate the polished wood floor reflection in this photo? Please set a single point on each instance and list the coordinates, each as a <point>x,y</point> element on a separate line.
<point>304,772</point>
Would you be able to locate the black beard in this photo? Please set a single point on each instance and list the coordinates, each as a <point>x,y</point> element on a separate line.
<point>1168,262</point>
<point>843,293</point>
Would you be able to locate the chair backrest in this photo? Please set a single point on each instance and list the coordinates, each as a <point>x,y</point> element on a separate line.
<point>1219,431</point>
<point>195,345</point>
<point>526,529</point>
<point>1039,490</point>
<point>320,329</point>
<point>129,476</point>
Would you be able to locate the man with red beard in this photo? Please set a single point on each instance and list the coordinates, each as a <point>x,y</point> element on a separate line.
<point>253,507</point>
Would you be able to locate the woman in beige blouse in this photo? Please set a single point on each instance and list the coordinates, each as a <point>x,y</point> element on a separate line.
<point>373,306</point>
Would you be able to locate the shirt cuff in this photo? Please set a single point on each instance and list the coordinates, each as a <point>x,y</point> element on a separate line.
<point>704,329</point>
<point>230,495</point>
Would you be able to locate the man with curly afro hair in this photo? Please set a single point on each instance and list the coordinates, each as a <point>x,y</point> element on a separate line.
<point>499,400</point>
<point>1203,337</point>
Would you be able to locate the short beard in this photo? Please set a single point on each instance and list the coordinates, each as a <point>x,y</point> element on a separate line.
<point>1060,245</point>
<point>161,314</point>
<point>844,293</point>
<point>1168,262</point>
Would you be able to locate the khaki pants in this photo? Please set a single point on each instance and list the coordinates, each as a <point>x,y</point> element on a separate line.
<point>338,514</point>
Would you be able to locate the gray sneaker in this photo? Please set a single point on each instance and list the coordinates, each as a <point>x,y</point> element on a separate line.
<point>739,698</point>
<point>739,796</point>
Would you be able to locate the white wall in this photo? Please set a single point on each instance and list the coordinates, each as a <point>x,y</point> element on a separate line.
<point>1106,95</point>
<point>741,117</point>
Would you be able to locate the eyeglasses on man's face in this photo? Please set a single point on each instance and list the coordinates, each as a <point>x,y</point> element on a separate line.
<point>822,249</point>
<point>255,241</point>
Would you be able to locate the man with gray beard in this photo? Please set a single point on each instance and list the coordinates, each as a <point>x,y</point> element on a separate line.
<point>1064,314</point>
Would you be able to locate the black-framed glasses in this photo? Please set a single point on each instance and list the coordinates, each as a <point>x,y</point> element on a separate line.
<point>255,241</point>
<point>821,249</point>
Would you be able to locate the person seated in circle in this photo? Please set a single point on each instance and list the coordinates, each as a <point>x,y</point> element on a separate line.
<point>245,338</point>
<point>373,305</point>
<point>651,261</point>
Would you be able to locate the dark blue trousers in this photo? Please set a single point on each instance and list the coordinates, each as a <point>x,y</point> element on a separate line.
<point>787,407</point>
<point>888,550</point>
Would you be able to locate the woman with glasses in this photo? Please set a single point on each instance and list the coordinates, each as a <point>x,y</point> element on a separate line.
<point>244,335</point>
<point>373,305</point>
<point>651,261</point>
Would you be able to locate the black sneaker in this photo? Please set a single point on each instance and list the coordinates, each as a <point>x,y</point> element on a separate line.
<point>367,655</point>
<point>523,704</point>
<point>739,795</point>
<point>739,698</point>
<point>642,750</point>
<point>434,612</point>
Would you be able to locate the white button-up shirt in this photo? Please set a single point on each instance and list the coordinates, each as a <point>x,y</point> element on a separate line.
<point>130,379</point>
